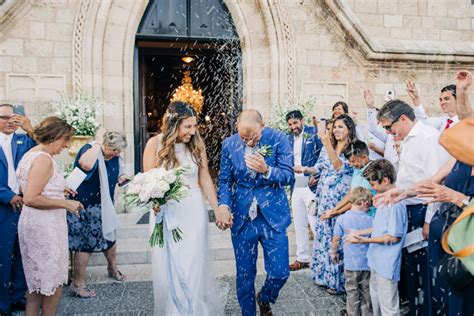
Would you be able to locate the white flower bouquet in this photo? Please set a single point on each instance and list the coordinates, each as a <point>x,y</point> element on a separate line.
<point>80,112</point>
<point>162,188</point>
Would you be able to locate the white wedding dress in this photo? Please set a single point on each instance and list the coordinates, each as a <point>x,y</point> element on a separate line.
<point>181,280</point>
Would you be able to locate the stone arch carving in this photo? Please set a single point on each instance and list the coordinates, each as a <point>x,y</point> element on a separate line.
<point>103,52</point>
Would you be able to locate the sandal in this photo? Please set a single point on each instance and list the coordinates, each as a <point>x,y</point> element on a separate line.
<point>331,291</point>
<point>82,292</point>
<point>117,275</point>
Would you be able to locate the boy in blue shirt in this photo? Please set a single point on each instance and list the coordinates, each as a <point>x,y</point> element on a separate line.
<point>386,242</point>
<point>356,270</point>
<point>357,154</point>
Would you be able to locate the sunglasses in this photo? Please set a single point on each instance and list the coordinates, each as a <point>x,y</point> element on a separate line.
<point>389,127</point>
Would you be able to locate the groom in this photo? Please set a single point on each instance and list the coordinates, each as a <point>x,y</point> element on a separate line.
<point>256,165</point>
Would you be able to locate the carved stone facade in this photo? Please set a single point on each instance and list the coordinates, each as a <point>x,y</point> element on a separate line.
<point>291,49</point>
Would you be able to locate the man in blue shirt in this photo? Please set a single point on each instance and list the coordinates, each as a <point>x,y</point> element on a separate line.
<point>386,242</point>
<point>356,270</point>
<point>306,147</point>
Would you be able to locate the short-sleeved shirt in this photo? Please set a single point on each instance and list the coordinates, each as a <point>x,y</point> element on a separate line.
<point>88,193</point>
<point>386,259</point>
<point>358,180</point>
<point>355,258</point>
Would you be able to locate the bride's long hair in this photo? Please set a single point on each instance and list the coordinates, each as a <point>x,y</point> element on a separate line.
<point>176,113</point>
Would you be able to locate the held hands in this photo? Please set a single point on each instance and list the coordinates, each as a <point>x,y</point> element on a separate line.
<point>299,169</point>
<point>413,92</point>
<point>17,203</point>
<point>73,206</point>
<point>224,218</point>
<point>256,162</point>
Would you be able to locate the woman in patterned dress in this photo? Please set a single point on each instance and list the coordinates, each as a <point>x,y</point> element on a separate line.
<point>335,175</point>
<point>42,228</point>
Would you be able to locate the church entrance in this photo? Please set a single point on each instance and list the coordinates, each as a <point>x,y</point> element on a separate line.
<point>187,50</point>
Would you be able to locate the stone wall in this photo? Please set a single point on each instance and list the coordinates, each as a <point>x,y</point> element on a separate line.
<point>294,49</point>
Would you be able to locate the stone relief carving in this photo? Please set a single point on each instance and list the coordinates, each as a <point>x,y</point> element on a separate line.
<point>78,75</point>
<point>34,87</point>
<point>325,94</point>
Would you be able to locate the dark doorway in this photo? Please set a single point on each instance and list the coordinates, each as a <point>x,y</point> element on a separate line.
<point>215,69</point>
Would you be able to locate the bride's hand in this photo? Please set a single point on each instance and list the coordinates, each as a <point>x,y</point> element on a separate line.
<point>224,218</point>
<point>156,209</point>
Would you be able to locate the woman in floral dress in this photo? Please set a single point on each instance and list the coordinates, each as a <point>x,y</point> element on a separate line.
<point>335,175</point>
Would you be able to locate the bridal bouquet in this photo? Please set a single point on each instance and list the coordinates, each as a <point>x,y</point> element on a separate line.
<point>162,188</point>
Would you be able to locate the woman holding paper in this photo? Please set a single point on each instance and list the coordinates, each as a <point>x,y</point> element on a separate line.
<point>94,230</point>
<point>42,228</point>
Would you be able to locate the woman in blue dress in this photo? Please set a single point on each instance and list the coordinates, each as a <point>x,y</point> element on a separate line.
<point>100,161</point>
<point>335,175</point>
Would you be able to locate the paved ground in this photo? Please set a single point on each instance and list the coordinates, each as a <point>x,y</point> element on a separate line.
<point>299,297</point>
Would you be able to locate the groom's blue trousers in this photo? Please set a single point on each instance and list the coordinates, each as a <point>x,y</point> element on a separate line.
<point>275,251</point>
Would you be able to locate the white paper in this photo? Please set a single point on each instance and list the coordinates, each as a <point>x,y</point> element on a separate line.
<point>75,178</point>
<point>414,240</point>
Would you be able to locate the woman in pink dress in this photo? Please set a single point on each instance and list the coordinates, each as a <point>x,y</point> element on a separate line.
<point>42,229</point>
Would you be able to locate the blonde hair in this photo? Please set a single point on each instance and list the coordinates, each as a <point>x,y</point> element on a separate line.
<point>173,118</point>
<point>360,195</point>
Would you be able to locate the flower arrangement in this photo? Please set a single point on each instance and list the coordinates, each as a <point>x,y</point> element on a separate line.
<point>80,112</point>
<point>265,150</point>
<point>161,188</point>
<point>278,119</point>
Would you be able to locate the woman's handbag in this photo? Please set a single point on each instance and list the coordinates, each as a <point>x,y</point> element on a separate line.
<point>459,141</point>
<point>457,267</point>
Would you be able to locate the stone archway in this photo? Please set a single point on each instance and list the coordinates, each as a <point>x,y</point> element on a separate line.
<point>103,54</point>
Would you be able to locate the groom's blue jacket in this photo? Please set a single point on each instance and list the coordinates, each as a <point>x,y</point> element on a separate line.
<point>237,187</point>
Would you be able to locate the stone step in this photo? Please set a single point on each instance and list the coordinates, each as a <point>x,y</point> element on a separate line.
<point>137,251</point>
<point>143,272</point>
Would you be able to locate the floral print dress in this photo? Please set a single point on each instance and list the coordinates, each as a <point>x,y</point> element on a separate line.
<point>332,187</point>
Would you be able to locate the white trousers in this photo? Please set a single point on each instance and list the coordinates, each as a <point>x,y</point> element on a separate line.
<point>300,200</point>
<point>384,295</point>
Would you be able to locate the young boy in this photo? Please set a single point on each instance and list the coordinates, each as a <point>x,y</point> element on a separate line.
<point>356,270</point>
<point>357,154</point>
<point>386,242</point>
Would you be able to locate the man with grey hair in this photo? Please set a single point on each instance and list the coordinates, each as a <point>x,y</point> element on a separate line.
<point>256,165</point>
<point>420,158</point>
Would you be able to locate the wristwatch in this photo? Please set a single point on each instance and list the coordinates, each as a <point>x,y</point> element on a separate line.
<point>466,201</point>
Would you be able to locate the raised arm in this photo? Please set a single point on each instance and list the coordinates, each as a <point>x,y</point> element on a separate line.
<point>463,82</point>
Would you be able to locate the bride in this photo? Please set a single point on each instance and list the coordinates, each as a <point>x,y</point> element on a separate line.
<point>180,272</point>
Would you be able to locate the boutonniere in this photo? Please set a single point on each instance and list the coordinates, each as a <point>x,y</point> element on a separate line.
<point>306,135</point>
<point>19,142</point>
<point>265,150</point>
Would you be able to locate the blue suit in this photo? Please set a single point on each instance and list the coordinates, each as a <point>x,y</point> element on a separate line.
<point>12,279</point>
<point>311,147</point>
<point>237,190</point>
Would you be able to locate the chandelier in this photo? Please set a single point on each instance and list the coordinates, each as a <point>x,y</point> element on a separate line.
<point>186,93</point>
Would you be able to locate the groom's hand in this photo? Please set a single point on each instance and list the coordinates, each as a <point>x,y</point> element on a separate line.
<point>256,162</point>
<point>224,218</point>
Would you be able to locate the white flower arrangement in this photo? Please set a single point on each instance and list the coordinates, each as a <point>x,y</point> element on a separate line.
<point>80,112</point>
<point>278,119</point>
<point>156,188</point>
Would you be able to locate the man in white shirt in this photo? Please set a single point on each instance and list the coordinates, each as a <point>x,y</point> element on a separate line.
<point>306,147</point>
<point>447,103</point>
<point>12,147</point>
<point>421,157</point>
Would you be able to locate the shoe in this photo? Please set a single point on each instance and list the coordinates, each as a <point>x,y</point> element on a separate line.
<point>331,291</point>
<point>82,292</point>
<point>117,275</point>
<point>343,312</point>
<point>298,265</point>
<point>265,309</point>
